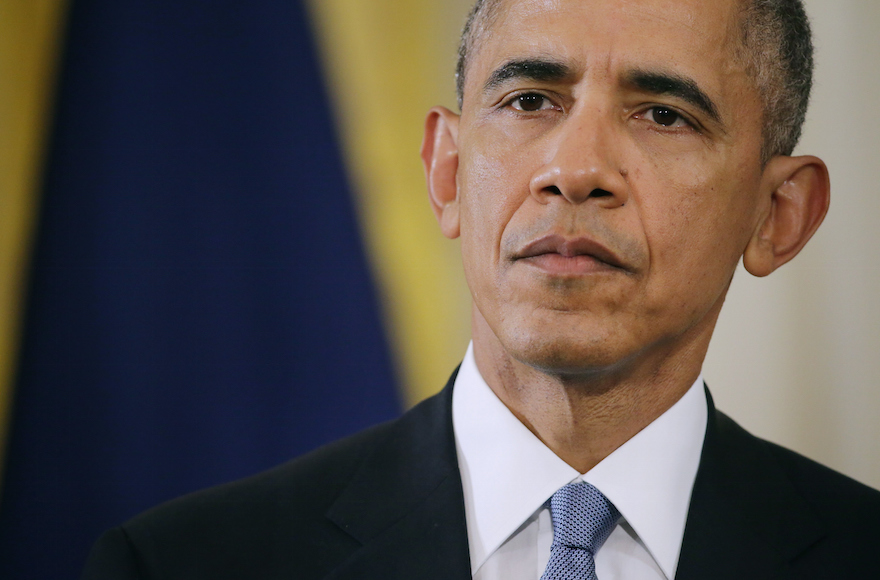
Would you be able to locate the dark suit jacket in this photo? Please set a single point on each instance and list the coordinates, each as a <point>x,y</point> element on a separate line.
<point>387,504</point>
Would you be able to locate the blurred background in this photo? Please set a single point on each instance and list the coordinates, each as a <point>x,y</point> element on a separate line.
<point>216,252</point>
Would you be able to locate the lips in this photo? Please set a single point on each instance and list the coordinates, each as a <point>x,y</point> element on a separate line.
<point>561,255</point>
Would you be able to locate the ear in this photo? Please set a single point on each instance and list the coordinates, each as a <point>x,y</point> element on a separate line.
<point>799,193</point>
<point>440,159</point>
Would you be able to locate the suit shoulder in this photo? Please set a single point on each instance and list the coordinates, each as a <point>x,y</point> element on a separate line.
<point>839,499</point>
<point>252,527</point>
<point>279,523</point>
<point>311,480</point>
<point>813,479</point>
<point>844,505</point>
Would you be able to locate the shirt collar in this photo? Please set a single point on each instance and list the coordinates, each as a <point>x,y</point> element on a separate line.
<point>649,478</point>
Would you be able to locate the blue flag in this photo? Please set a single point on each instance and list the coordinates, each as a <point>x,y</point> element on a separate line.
<point>200,306</point>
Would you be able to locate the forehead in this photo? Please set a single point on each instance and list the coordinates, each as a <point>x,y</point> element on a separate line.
<point>699,37</point>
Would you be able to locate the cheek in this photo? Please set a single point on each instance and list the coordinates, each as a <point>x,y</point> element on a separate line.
<point>702,200</point>
<point>492,186</point>
<point>697,223</point>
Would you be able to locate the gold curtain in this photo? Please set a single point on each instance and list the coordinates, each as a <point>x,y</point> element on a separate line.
<point>387,63</point>
<point>29,42</point>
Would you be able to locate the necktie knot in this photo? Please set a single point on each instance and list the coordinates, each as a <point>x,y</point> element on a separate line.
<point>583,519</point>
<point>582,516</point>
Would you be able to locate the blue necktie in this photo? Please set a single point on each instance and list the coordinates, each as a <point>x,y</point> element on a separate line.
<point>582,520</point>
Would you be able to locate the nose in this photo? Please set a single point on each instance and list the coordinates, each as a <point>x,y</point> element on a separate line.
<point>583,162</point>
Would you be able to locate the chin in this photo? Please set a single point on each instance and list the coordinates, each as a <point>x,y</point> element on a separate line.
<point>563,354</point>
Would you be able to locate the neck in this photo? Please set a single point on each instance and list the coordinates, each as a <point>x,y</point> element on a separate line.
<point>582,418</point>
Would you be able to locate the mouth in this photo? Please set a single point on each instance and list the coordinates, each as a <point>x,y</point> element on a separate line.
<point>559,255</point>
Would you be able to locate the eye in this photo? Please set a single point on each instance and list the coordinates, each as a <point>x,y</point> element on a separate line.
<point>530,102</point>
<point>666,117</point>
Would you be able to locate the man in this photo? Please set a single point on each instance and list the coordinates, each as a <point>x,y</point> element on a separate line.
<point>612,163</point>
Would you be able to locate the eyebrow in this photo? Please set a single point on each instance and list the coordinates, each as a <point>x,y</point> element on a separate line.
<point>682,87</point>
<point>533,69</point>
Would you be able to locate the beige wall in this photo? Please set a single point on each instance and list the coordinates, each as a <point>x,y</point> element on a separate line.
<point>796,356</point>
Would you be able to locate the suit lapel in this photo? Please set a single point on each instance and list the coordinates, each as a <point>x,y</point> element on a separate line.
<point>406,508</point>
<point>405,505</point>
<point>746,519</point>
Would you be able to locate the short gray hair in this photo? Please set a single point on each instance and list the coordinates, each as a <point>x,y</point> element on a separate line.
<point>776,47</point>
<point>778,51</point>
<point>483,13</point>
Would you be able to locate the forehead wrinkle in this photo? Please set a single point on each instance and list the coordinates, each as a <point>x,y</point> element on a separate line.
<point>677,14</point>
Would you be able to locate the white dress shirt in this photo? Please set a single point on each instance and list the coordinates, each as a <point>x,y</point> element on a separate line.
<point>508,474</point>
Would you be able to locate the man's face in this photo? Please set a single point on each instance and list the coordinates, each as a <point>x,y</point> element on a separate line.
<point>608,177</point>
